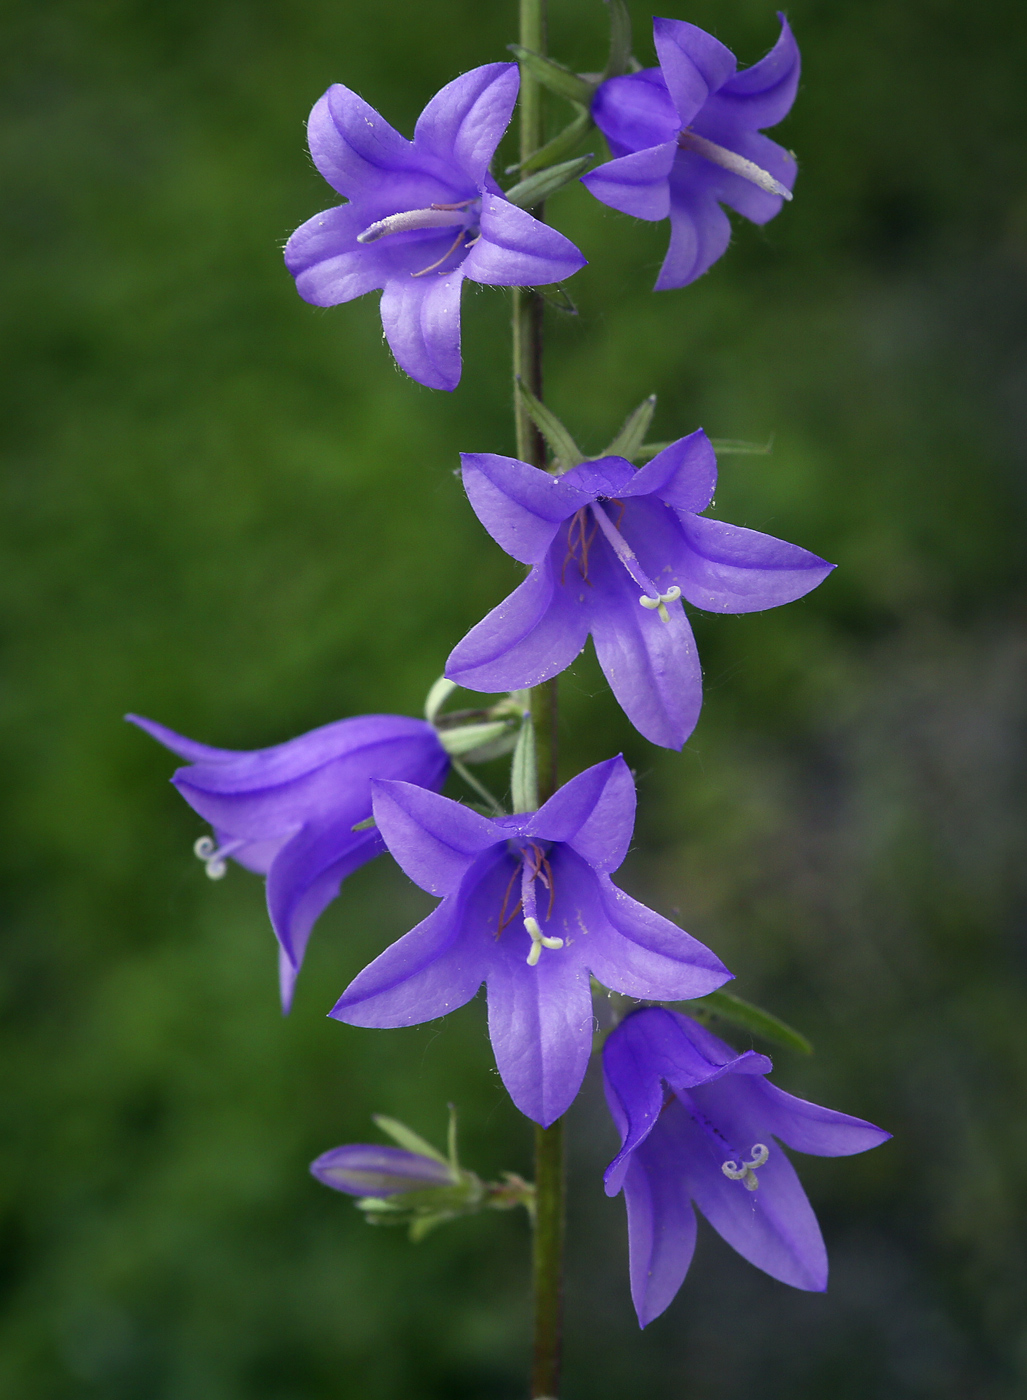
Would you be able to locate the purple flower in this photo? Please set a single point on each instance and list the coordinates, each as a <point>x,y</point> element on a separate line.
<point>364,1169</point>
<point>288,812</point>
<point>698,1124</point>
<point>686,137</point>
<point>528,906</point>
<point>613,550</point>
<point>422,215</point>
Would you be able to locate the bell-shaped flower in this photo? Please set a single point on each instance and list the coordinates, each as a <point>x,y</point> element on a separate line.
<point>612,552</point>
<point>289,812</point>
<point>421,216</point>
<point>529,908</point>
<point>700,1124</point>
<point>686,138</point>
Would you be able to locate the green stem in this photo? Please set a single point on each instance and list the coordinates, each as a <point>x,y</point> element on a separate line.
<point>550,1209</point>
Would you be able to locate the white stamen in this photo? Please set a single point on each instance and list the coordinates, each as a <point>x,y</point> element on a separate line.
<point>437,216</point>
<point>213,856</point>
<point>736,164</point>
<point>745,1172</point>
<point>538,940</point>
<point>660,602</point>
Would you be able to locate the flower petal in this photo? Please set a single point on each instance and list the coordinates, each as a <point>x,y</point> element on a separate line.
<point>635,111</point>
<point>642,954</point>
<point>421,321</point>
<point>661,1229</point>
<point>651,665</point>
<point>684,475</point>
<point>516,250</point>
<point>520,506</point>
<point>808,1127</point>
<point>463,123</point>
<point>763,94</point>
<point>594,812</point>
<point>731,569</point>
<point>329,265</point>
<point>693,64</point>
<point>365,1169</point>
<point>178,743</point>
<point>636,184</point>
<point>699,228</point>
<point>433,839</point>
<point>533,635</point>
<point>351,145</point>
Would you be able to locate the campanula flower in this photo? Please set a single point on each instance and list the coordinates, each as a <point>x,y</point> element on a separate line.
<point>686,139</point>
<point>288,812</point>
<point>699,1123</point>
<point>365,1169</point>
<point>613,551</point>
<point>528,907</point>
<point>421,216</point>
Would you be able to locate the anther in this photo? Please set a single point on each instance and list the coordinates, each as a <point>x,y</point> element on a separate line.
<point>745,1172</point>
<point>538,940</point>
<point>660,602</point>
<point>213,856</point>
<point>731,161</point>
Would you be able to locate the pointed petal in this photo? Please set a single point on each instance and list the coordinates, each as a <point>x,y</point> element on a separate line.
<point>329,265</point>
<point>305,877</point>
<point>594,812</point>
<point>533,635</point>
<point>636,184</point>
<point>516,250</point>
<point>693,64</point>
<point>540,1022</point>
<point>699,228</point>
<point>651,665</point>
<point>642,954</point>
<point>774,1226</point>
<point>428,972</point>
<point>463,123</point>
<point>178,743</point>
<point>520,506</point>
<point>635,111</point>
<point>433,839</point>
<point>763,94</point>
<point>352,146</point>
<point>661,1231</point>
<point>683,474</point>
<point>810,1128</point>
<point>731,569</point>
<point>421,321</point>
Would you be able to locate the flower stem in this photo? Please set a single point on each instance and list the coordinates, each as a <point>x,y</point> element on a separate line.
<point>550,1208</point>
<point>527,304</point>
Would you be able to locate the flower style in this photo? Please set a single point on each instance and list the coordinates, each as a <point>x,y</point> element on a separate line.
<point>528,906</point>
<point>289,812</point>
<point>698,1123</point>
<point>421,216</point>
<point>613,550</point>
<point>686,137</point>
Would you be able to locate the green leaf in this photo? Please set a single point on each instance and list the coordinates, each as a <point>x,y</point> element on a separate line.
<point>619,60</point>
<point>562,445</point>
<point>406,1137</point>
<point>524,769</point>
<point>724,447</point>
<point>555,76</point>
<point>538,187</point>
<point>728,1007</point>
<point>628,441</point>
<point>559,147</point>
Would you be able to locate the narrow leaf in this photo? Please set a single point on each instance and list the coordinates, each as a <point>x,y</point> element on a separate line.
<point>406,1137</point>
<point>559,148</point>
<point>538,187</point>
<point>555,76</point>
<point>628,441</point>
<point>556,435</point>
<point>728,1007</point>
<point>724,447</point>
<point>524,769</point>
<point>620,39</point>
<point>558,298</point>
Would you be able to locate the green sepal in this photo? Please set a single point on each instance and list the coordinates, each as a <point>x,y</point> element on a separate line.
<point>724,447</point>
<point>466,742</point>
<point>365,825</point>
<point>619,60</point>
<point>563,447</point>
<point>406,1137</point>
<point>727,1007</point>
<point>628,442</point>
<point>559,147</point>
<point>524,768</point>
<point>555,77</point>
<point>538,187</point>
<point>558,298</point>
<point>437,697</point>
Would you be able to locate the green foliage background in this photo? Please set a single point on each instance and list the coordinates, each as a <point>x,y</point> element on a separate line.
<point>229,511</point>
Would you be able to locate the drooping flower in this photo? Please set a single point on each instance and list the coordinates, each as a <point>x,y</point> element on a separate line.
<point>421,216</point>
<point>288,812</point>
<point>613,551</point>
<point>528,907</point>
<point>686,139</point>
<point>698,1124</point>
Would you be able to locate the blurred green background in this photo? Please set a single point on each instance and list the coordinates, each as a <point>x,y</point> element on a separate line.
<point>229,511</point>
